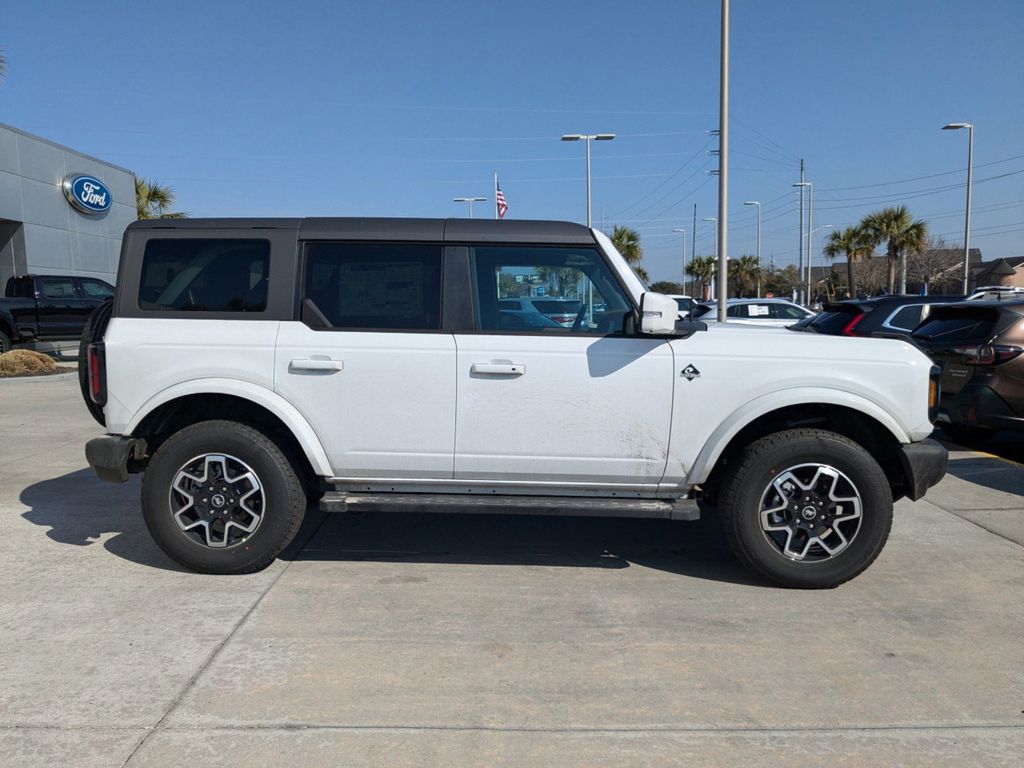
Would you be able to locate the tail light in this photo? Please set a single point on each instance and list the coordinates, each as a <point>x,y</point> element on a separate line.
<point>934,392</point>
<point>97,373</point>
<point>988,354</point>
<point>848,328</point>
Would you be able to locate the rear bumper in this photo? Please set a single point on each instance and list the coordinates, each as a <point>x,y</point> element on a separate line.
<point>979,406</point>
<point>112,456</point>
<point>924,464</point>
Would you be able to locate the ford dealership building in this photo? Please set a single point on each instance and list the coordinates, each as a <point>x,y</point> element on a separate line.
<point>61,212</point>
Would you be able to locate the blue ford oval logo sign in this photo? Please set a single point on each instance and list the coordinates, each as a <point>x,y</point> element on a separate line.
<point>87,193</point>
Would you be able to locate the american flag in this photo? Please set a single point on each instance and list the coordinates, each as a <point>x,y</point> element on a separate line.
<point>499,201</point>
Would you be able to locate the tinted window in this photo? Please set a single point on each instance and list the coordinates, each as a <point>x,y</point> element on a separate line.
<point>953,326</point>
<point>788,312</point>
<point>558,289</point>
<point>376,286</point>
<point>205,275</point>
<point>96,289</point>
<point>736,310</point>
<point>834,321</point>
<point>906,318</point>
<point>700,310</point>
<point>685,305</point>
<point>56,287</point>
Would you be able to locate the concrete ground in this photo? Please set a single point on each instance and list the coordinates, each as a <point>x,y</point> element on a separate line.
<point>494,641</point>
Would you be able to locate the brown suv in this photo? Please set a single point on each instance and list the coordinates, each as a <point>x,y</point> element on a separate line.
<point>978,344</point>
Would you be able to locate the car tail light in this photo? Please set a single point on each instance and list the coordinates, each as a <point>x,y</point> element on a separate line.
<point>934,392</point>
<point>96,358</point>
<point>563,318</point>
<point>988,354</point>
<point>848,328</point>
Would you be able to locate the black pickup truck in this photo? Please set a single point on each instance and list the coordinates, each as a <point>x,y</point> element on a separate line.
<point>48,307</point>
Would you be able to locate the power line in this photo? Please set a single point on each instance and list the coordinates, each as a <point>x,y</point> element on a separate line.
<point>918,178</point>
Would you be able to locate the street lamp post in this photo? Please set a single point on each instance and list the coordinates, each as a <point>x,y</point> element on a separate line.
<point>723,165</point>
<point>967,213</point>
<point>470,201</point>
<point>680,229</point>
<point>588,137</point>
<point>757,247</point>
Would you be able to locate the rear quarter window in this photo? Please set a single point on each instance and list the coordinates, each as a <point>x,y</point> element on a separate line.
<point>957,325</point>
<point>205,275</point>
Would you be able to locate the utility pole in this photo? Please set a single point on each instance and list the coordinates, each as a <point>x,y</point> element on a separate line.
<point>680,229</point>
<point>800,229</point>
<point>967,215</point>
<point>723,169</point>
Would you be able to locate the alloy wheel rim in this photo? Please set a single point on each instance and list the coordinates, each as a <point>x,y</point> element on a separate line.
<point>810,512</point>
<point>217,500</point>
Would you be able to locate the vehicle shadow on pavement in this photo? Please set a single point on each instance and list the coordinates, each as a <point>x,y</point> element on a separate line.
<point>690,549</point>
<point>80,509</point>
<point>995,474</point>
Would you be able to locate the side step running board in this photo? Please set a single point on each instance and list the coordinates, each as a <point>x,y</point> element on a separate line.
<point>682,509</point>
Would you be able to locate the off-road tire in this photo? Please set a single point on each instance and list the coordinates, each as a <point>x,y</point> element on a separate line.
<point>765,459</point>
<point>92,333</point>
<point>285,498</point>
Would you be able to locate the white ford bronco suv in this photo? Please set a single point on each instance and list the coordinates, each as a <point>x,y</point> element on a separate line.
<point>250,366</point>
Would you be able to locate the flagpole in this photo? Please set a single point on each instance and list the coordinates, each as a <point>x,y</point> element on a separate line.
<point>496,195</point>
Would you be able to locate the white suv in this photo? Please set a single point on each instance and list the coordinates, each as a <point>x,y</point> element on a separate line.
<point>249,366</point>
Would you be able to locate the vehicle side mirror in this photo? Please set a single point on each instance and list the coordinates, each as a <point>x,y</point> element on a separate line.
<point>658,314</point>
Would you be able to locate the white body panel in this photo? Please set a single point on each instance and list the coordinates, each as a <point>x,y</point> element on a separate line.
<point>566,413</point>
<point>582,409</point>
<point>386,408</point>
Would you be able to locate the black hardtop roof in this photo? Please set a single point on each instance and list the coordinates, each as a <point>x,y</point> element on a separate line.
<point>369,228</point>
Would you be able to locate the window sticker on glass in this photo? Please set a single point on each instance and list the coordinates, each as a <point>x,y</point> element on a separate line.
<point>757,310</point>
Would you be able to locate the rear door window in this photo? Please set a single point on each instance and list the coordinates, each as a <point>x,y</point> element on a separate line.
<point>205,275</point>
<point>95,289</point>
<point>56,287</point>
<point>787,312</point>
<point>376,286</point>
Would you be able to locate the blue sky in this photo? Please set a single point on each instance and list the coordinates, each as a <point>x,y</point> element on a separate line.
<point>394,108</point>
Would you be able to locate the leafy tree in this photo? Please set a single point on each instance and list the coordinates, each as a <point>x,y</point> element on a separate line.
<point>783,281</point>
<point>852,242</point>
<point>702,269</point>
<point>564,281</point>
<point>902,234</point>
<point>153,199</point>
<point>666,286</point>
<point>745,274</point>
<point>627,242</point>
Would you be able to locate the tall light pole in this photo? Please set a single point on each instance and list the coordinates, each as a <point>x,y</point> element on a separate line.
<point>680,229</point>
<point>805,283</point>
<point>469,200</point>
<point>588,137</point>
<point>757,247</point>
<point>970,172</point>
<point>723,167</point>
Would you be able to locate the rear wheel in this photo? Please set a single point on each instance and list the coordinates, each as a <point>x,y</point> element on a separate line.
<point>221,497</point>
<point>5,343</point>
<point>806,508</point>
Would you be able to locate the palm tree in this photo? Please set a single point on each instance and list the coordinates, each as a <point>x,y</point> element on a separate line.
<point>702,269</point>
<point>852,242</point>
<point>746,271</point>
<point>153,199</point>
<point>627,242</point>
<point>901,232</point>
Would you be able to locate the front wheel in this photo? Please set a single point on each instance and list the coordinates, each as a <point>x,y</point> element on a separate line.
<point>806,508</point>
<point>221,497</point>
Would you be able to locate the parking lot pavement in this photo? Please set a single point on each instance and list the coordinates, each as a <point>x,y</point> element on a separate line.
<point>501,641</point>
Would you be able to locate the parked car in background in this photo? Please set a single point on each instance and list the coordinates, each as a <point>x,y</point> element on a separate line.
<point>988,292</point>
<point>562,311</point>
<point>778,313</point>
<point>864,317</point>
<point>978,345</point>
<point>48,307</point>
<point>685,303</point>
